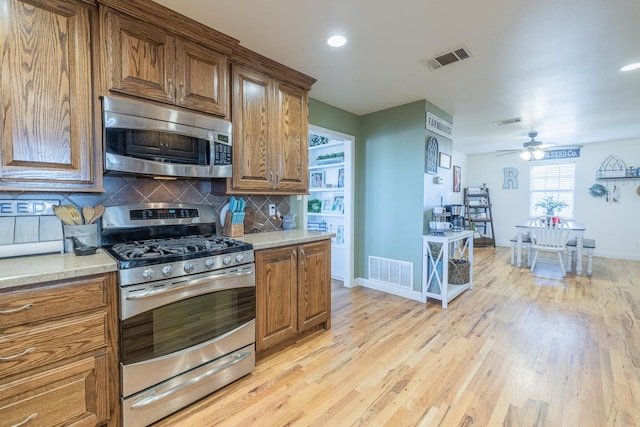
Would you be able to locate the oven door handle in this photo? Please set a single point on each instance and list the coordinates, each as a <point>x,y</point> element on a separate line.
<point>153,398</point>
<point>188,283</point>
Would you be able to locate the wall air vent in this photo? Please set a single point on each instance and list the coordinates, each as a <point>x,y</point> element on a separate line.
<point>507,121</point>
<point>446,58</point>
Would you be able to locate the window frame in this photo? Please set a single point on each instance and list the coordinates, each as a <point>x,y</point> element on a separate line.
<point>535,193</point>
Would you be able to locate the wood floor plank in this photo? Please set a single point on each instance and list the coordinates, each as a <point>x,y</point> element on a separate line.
<point>519,349</point>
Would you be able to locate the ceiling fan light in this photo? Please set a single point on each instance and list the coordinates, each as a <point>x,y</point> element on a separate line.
<point>525,155</point>
<point>538,154</point>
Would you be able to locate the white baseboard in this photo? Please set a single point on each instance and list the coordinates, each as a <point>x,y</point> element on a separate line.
<point>379,286</point>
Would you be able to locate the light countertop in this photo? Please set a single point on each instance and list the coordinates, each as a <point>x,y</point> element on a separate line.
<point>26,270</point>
<point>274,239</point>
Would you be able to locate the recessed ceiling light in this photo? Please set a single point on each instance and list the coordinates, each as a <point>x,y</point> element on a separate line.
<point>336,41</point>
<point>631,67</point>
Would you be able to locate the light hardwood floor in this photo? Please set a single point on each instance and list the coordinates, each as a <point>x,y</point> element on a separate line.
<point>520,349</point>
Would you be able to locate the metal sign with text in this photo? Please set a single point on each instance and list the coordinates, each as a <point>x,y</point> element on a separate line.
<point>13,207</point>
<point>562,153</point>
<point>437,125</point>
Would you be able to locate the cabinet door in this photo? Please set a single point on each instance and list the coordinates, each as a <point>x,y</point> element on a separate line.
<point>252,122</point>
<point>67,395</point>
<point>140,58</point>
<point>314,285</point>
<point>276,296</point>
<point>290,139</point>
<point>202,78</point>
<point>45,94</point>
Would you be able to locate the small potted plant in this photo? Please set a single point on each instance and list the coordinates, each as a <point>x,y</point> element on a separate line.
<point>550,205</point>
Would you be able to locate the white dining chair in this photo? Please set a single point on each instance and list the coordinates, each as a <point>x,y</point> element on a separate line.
<point>547,236</point>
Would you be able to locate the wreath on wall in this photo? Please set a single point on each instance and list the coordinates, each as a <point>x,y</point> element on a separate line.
<point>598,190</point>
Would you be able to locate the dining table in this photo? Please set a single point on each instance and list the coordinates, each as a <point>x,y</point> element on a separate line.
<point>576,229</point>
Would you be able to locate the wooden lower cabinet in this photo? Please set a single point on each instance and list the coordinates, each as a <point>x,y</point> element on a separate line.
<point>58,361</point>
<point>293,291</point>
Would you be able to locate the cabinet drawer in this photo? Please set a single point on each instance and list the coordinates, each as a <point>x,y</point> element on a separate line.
<point>46,302</point>
<point>51,342</point>
<point>61,396</point>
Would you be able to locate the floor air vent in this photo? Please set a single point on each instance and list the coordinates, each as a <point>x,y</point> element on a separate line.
<point>391,272</point>
<point>447,58</point>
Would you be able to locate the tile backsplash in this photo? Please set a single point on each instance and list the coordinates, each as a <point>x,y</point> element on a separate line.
<point>129,189</point>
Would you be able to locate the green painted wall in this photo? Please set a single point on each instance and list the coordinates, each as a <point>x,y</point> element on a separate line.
<point>393,186</point>
<point>392,192</point>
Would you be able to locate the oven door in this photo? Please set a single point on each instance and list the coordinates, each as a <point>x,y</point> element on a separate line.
<point>169,327</point>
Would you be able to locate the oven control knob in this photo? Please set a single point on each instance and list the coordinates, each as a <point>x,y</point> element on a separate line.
<point>188,268</point>
<point>239,257</point>
<point>226,260</point>
<point>148,274</point>
<point>167,270</point>
<point>210,263</point>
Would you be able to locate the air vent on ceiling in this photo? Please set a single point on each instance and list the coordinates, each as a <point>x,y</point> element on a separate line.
<point>446,58</point>
<point>507,121</point>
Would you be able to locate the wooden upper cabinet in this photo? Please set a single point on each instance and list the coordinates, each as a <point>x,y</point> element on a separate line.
<point>46,125</point>
<point>203,78</point>
<point>140,58</point>
<point>292,165</point>
<point>148,62</point>
<point>252,123</point>
<point>269,135</point>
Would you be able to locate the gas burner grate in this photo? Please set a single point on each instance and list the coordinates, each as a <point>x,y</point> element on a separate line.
<point>160,248</point>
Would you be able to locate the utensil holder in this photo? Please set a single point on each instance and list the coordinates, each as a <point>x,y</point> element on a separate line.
<point>86,234</point>
<point>230,229</point>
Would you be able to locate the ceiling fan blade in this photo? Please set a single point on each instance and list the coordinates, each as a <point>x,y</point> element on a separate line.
<point>507,152</point>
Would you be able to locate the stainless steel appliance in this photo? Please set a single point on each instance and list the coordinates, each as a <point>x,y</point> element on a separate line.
<point>186,306</point>
<point>456,216</point>
<point>149,139</point>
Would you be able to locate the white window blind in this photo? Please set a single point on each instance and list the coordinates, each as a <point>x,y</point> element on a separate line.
<point>557,180</point>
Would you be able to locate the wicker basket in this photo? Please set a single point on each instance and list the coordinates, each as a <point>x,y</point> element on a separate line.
<point>459,271</point>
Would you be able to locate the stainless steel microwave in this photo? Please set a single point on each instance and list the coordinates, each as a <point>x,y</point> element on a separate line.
<point>149,139</point>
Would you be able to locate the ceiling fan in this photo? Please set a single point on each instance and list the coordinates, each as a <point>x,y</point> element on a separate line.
<point>531,150</point>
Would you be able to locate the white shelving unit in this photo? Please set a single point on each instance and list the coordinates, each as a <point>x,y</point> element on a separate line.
<point>330,197</point>
<point>437,250</point>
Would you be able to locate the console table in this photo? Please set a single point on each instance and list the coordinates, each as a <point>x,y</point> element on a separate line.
<point>436,252</point>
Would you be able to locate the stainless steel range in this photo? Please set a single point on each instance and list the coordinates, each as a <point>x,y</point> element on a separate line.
<point>187,306</point>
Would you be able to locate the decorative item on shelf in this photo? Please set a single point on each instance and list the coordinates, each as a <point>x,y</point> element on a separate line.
<point>550,205</point>
<point>459,271</point>
<point>317,226</point>
<point>341,178</point>
<point>338,204</point>
<point>315,140</point>
<point>598,190</point>
<point>326,205</point>
<point>612,167</point>
<point>327,159</point>
<point>314,206</point>
<point>340,235</point>
<point>317,179</point>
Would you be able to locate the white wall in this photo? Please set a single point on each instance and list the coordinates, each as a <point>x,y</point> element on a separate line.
<point>615,226</point>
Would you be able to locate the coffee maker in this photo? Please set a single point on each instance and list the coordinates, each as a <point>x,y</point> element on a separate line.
<point>456,216</point>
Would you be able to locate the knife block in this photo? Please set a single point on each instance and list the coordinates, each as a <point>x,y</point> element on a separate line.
<point>232,230</point>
